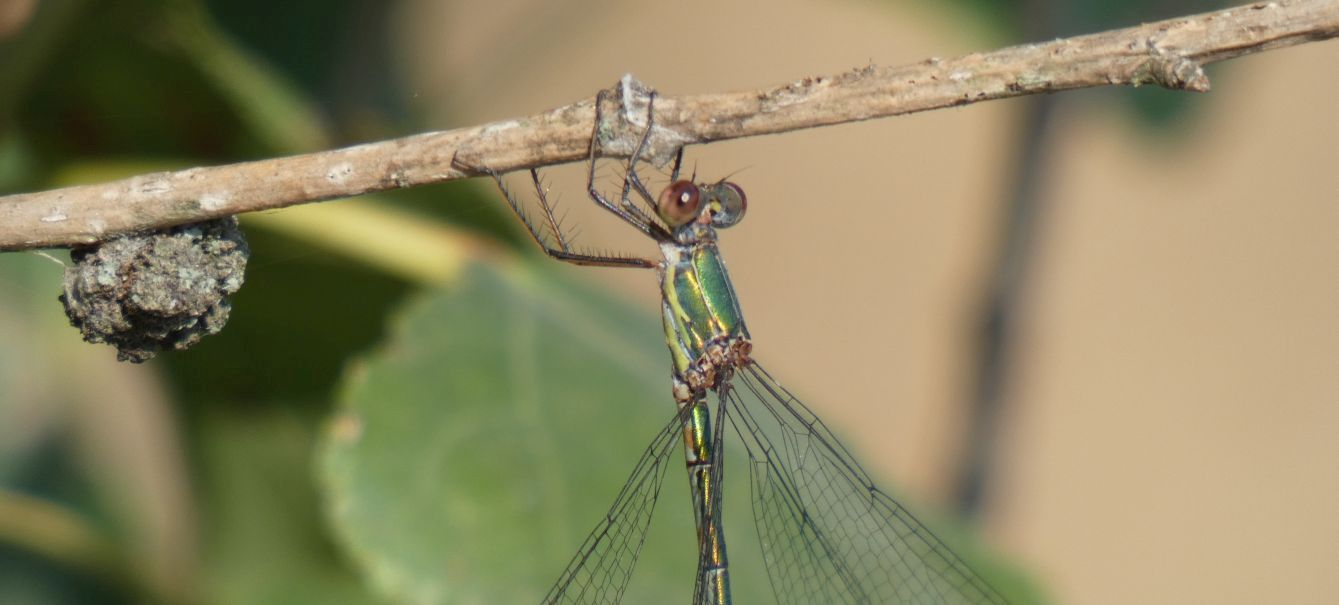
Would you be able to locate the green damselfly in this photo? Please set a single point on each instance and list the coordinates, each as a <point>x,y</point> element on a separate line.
<point>827,534</point>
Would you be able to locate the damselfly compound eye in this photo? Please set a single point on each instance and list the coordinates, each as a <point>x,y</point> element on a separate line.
<point>727,204</point>
<point>679,203</point>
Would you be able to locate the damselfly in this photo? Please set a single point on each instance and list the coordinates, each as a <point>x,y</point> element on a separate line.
<point>827,534</point>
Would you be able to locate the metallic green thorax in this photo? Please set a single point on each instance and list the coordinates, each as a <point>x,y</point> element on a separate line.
<point>703,324</point>
<point>706,336</point>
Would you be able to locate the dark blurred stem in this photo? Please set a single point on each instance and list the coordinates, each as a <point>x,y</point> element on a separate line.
<point>62,536</point>
<point>998,314</point>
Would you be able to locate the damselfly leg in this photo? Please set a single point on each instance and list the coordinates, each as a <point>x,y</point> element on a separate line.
<point>825,533</point>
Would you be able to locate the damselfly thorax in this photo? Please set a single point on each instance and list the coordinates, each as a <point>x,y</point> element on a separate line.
<point>826,533</point>
<point>704,326</point>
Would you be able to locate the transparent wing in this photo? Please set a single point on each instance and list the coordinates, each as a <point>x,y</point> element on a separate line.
<point>600,571</point>
<point>828,534</point>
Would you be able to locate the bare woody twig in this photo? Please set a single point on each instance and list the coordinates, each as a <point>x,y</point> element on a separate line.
<point>1167,53</point>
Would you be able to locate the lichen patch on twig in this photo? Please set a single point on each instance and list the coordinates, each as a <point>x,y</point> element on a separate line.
<point>157,291</point>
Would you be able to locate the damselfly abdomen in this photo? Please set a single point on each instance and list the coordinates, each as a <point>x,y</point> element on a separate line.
<point>826,533</point>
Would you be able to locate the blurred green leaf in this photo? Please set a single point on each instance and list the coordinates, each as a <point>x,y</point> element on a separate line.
<point>265,544</point>
<point>474,451</point>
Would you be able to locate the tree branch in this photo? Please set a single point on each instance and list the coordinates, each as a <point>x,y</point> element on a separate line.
<point>1167,53</point>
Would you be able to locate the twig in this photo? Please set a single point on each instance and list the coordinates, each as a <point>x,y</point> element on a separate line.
<point>1167,53</point>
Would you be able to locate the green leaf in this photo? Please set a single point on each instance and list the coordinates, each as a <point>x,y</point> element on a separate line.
<point>265,543</point>
<point>474,452</point>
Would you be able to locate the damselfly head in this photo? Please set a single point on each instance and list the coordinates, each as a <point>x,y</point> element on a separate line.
<point>719,204</point>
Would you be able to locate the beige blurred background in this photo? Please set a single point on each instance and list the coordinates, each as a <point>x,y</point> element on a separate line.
<point>1170,435</point>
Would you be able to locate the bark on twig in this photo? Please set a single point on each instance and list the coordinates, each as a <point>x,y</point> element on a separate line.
<point>1167,53</point>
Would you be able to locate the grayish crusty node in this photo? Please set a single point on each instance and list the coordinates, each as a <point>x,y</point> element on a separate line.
<point>158,291</point>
